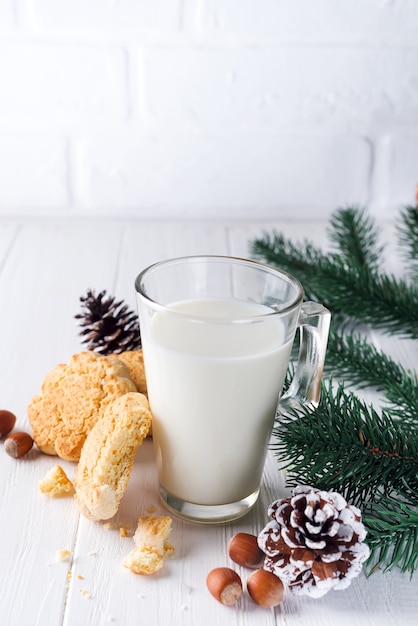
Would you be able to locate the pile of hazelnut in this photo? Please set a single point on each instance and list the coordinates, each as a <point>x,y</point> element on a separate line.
<point>16,444</point>
<point>225,584</point>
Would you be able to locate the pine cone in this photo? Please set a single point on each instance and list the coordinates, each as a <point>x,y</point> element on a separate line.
<point>108,327</point>
<point>314,542</point>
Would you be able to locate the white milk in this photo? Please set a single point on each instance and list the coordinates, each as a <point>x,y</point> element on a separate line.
<point>213,389</point>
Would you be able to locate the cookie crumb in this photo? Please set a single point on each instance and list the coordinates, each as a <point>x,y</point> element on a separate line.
<point>151,545</point>
<point>85,593</point>
<point>56,483</point>
<point>62,555</point>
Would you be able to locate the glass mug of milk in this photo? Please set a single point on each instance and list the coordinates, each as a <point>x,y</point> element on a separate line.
<point>217,334</point>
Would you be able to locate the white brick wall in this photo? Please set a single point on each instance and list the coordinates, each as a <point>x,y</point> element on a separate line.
<point>33,174</point>
<point>61,86</point>
<point>242,175</point>
<point>208,108</point>
<point>312,21</point>
<point>7,18</point>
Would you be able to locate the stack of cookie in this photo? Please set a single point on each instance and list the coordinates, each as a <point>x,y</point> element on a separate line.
<point>94,410</point>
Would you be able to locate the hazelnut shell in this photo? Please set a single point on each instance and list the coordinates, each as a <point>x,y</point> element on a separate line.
<point>244,550</point>
<point>7,422</point>
<point>265,588</point>
<point>18,444</point>
<point>224,584</point>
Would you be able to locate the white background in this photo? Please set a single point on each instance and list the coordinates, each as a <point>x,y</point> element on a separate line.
<point>236,109</point>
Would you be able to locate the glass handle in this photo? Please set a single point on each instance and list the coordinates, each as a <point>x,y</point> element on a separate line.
<point>305,388</point>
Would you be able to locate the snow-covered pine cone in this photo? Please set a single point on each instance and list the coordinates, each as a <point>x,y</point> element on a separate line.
<point>314,542</point>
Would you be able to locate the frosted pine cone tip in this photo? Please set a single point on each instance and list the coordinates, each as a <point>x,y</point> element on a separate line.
<point>314,542</point>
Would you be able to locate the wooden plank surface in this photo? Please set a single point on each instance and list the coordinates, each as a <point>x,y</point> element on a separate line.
<point>44,267</point>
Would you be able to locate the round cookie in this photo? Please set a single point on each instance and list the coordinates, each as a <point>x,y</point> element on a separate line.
<point>108,455</point>
<point>72,399</point>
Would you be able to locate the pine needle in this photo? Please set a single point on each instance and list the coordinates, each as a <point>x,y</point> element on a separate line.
<point>392,534</point>
<point>352,358</point>
<point>356,237</point>
<point>408,239</point>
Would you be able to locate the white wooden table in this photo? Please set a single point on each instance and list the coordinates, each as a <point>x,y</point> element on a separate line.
<point>44,267</point>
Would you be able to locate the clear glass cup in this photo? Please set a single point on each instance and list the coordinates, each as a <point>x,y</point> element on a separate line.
<point>217,333</point>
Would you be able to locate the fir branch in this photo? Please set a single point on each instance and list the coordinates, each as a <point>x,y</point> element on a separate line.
<point>379,300</point>
<point>392,534</point>
<point>343,444</point>
<point>351,357</point>
<point>402,400</point>
<point>356,237</point>
<point>346,446</point>
<point>408,238</point>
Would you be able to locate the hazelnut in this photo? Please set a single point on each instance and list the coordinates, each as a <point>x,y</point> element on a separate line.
<point>7,421</point>
<point>244,550</point>
<point>265,588</point>
<point>18,444</point>
<point>224,584</point>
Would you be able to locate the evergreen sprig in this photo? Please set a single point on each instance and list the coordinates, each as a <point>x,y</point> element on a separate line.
<point>347,446</point>
<point>356,237</point>
<point>369,456</point>
<point>392,534</point>
<point>352,288</point>
<point>352,358</point>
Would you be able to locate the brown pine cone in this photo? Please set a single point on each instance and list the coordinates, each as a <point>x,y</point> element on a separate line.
<point>314,542</point>
<point>107,326</point>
